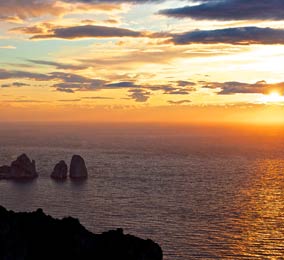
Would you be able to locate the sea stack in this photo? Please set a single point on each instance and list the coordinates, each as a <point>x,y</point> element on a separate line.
<point>60,171</point>
<point>78,169</point>
<point>23,168</point>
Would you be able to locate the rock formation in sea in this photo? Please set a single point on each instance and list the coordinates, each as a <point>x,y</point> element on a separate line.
<point>78,169</point>
<point>21,168</point>
<point>60,171</point>
<point>34,236</point>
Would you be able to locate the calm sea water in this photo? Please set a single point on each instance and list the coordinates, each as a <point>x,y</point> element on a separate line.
<point>200,193</point>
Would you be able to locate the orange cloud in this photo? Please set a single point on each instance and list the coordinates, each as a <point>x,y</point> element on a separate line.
<point>18,10</point>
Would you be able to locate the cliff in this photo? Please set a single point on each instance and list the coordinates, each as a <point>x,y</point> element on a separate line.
<point>35,235</point>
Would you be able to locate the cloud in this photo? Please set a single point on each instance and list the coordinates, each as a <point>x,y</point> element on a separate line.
<point>115,1</point>
<point>65,90</point>
<point>70,77</point>
<point>179,102</point>
<point>10,19</point>
<point>69,100</point>
<point>121,61</point>
<point>184,83</point>
<point>5,74</point>
<point>20,9</point>
<point>23,101</point>
<point>16,11</point>
<point>234,87</point>
<point>59,66</point>
<point>9,47</point>
<point>238,35</point>
<point>139,95</point>
<point>71,83</point>
<point>98,98</point>
<point>230,10</point>
<point>66,80</point>
<point>124,84</point>
<point>87,31</point>
<point>15,84</point>
<point>172,90</point>
<point>178,92</point>
<point>35,29</point>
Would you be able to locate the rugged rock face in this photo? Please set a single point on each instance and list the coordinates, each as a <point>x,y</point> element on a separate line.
<point>21,168</point>
<point>78,169</point>
<point>60,171</point>
<point>33,236</point>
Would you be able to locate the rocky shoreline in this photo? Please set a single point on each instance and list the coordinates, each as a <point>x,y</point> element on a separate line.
<point>35,235</point>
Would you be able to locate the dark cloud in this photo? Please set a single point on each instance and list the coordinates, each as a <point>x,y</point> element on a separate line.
<point>164,88</point>
<point>79,86</point>
<point>15,84</point>
<point>6,74</point>
<point>72,78</point>
<point>239,35</point>
<point>124,84</point>
<point>234,87</point>
<point>71,83</point>
<point>67,80</point>
<point>172,90</point>
<point>87,31</point>
<point>65,90</point>
<point>139,95</point>
<point>179,102</point>
<point>98,98</point>
<point>231,10</point>
<point>178,92</point>
<point>184,83</point>
<point>20,84</point>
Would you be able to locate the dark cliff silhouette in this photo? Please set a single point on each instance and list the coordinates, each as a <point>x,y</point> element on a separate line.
<point>34,236</point>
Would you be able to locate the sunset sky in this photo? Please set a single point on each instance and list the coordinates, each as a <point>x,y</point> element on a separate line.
<point>186,61</point>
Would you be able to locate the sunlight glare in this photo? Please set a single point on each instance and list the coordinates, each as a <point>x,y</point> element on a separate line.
<point>273,97</point>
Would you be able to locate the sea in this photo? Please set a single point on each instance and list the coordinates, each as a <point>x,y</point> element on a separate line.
<point>201,192</point>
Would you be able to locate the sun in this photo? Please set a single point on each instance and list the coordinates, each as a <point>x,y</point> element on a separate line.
<point>273,97</point>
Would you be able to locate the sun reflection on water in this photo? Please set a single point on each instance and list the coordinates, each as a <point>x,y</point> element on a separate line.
<point>262,216</point>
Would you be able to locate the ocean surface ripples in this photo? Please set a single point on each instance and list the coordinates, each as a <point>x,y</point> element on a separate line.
<point>199,197</point>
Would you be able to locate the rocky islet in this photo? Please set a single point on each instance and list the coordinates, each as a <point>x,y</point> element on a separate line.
<point>25,168</point>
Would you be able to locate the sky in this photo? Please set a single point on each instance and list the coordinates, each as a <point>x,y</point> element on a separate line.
<point>186,61</point>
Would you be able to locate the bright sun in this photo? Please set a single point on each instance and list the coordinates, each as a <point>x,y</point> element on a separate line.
<point>273,97</point>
